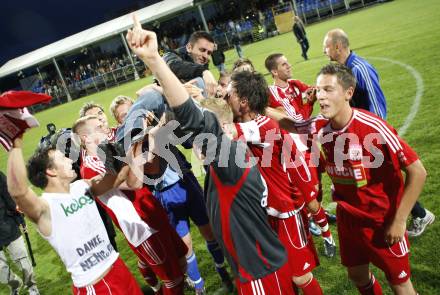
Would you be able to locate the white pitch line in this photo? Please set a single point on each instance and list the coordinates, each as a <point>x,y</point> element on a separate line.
<point>419,92</point>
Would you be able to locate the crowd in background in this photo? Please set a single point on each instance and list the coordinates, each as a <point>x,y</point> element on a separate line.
<point>229,27</point>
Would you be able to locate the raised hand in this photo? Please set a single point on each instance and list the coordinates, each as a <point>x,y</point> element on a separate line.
<point>142,42</point>
<point>311,95</point>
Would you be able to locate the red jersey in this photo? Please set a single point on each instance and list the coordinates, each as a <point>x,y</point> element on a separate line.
<point>91,166</point>
<point>112,135</point>
<point>144,203</point>
<point>291,99</point>
<point>265,141</point>
<point>364,160</point>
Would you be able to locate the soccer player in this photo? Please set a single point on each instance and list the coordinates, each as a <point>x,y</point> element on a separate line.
<point>364,156</point>
<point>192,61</point>
<point>294,98</point>
<point>247,96</point>
<point>66,216</point>
<point>243,64</point>
<point>138,215</point>
<point>94,109</point>
<point>223,82</point>
<point>369,96</point>
<point>233,193</point>
<point>120,106</point>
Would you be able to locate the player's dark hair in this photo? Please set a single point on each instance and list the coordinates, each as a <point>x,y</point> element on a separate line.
<point>197,35</point>
<point>253,87</point>
<point>271,61</point>
<point>37,165</point>
<point>343,74</point>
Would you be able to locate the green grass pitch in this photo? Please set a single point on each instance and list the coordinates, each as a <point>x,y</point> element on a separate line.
<point>402,40</point>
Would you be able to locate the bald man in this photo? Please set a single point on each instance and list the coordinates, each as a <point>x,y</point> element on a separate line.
<point>368,95</point>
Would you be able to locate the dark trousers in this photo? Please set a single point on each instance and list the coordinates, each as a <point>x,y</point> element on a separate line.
<point>418,211</point>
<point>304,47</point>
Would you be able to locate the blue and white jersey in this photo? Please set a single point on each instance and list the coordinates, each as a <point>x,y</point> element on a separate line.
<point>368,95</point>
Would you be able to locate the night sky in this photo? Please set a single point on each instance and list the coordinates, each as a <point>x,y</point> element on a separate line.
<point>29,25</point>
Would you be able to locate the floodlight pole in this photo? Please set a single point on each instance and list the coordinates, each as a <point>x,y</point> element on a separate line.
<point>66,90</point>
<point>136,75</point>
<point>203,17</point>
<point>295,10</point>
<point>39,75</point>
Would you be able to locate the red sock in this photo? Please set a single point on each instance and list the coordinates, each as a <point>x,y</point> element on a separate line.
<point>173,287</point>
<point>372,288</point>
<point>321,220</point>
<point>312,287</point>
<point>148,275</point>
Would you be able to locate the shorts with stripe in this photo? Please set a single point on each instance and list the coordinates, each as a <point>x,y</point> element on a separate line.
<point>277,283</point>
<point>295,237</point>
<point>361,245</point>
<point>162,252</point>
<point>118,281</point>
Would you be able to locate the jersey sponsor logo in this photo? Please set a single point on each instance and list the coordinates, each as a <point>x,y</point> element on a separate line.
<point>76,205</point>
<point>352,175</point>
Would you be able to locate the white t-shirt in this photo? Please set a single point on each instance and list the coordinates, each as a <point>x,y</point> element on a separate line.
<point>78,234</point>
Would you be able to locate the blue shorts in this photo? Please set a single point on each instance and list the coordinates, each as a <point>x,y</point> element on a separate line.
<point>184,200</point>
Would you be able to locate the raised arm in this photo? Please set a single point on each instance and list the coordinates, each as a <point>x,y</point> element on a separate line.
<point>283,119</point>
<point>17,180</point>
<point>144,45</point>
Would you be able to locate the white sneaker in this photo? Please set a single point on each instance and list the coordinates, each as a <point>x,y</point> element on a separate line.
<point>314,229</point>
<point>418,225</point>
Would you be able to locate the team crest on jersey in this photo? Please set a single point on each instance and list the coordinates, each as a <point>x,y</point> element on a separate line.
<point>355,152</point>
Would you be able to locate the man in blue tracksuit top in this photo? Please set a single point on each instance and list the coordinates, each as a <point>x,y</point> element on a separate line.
<point>369,96</point>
